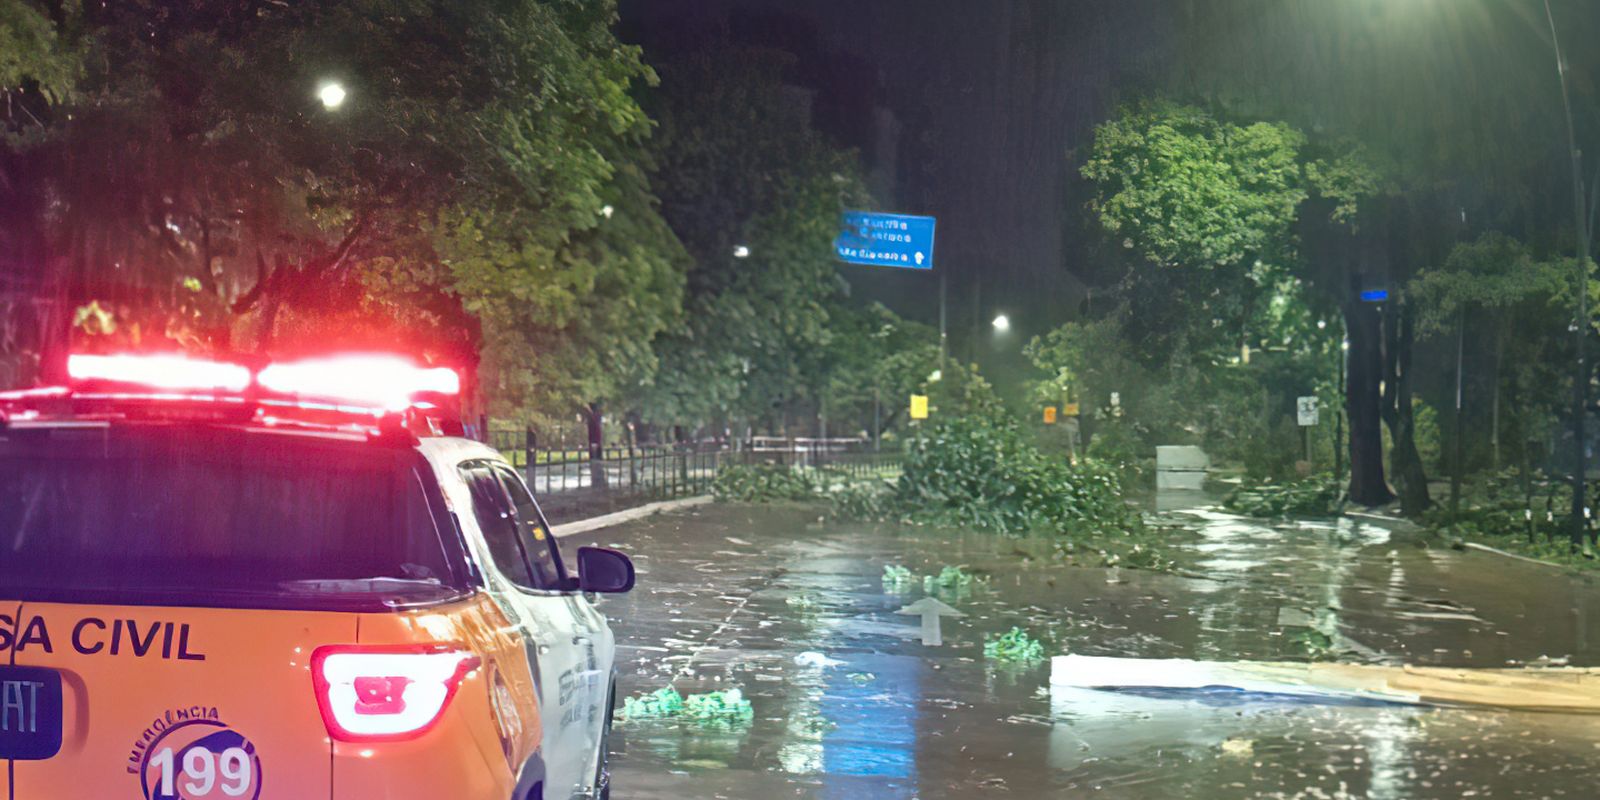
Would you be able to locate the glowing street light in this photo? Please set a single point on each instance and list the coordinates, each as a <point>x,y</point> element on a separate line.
<point>741,251</point>
<point>331,94</point>
<point>1002,323</point>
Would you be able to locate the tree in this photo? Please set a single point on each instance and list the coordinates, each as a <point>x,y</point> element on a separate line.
<point>34,60</point>
<point>1514,302</point>
<point>1186,190</point>
<point>875,361</point>
<point>1343,241</point>
<point>1457,101</point>
<point>1209,205</point>
<point>1210,212</point>
<point>741,171</point>
<point>194,186</point>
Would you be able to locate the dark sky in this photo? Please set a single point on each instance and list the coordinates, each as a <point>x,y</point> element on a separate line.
<point>968,110</point>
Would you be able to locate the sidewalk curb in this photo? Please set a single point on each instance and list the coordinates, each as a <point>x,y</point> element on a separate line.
<point>1389,519</point>
<point>627,515</point>
<point>1487,549</point>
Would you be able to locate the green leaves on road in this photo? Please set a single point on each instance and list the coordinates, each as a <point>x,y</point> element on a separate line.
<point>722,707</point>
<point>1014,647</point>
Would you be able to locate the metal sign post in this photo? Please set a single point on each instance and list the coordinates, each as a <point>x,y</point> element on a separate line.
<point>901,241</point>
<point>1307,413</point>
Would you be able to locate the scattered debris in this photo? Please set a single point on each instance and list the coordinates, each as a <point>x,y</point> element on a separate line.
<point>1238,748</point>
<point>1314,645</point>
<point>897,579</point>
<point>728,705</point>
<point>1014,646</point>
<point>661,704</point>
<point>811,658</point>
<point>948,578</point>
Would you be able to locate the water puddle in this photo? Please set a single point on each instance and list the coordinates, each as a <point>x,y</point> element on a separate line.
<point>847,702</point>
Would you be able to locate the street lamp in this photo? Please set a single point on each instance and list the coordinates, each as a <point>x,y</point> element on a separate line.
<point>741,251</point>
<point>1580,384</point>
<point>1002,323</point>
<point>331,94</point>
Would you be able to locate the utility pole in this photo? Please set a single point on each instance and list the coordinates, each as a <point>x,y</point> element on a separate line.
<point>1339,443</point>
<point>944,333</point>
<point>1455,420</point>
<point>1580,389</point>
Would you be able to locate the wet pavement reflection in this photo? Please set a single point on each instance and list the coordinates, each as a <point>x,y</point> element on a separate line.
<point>793,610</point>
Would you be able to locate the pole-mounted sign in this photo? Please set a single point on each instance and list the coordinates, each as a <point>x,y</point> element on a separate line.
<point>885,240</point>
<point>919,406</point>
<point>1306,410</point>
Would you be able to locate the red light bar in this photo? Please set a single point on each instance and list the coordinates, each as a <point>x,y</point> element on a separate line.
<point>168,372</point>
<point>382,381</point>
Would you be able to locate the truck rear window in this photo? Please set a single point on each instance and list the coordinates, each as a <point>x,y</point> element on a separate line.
<point>247,517</point>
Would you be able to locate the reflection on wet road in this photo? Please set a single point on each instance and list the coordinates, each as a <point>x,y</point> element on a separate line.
<point>850,704</point>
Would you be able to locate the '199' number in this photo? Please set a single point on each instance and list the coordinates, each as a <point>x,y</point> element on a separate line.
<point>202,768</point>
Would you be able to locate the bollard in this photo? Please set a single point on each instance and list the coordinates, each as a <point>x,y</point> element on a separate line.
<point>530,446</point>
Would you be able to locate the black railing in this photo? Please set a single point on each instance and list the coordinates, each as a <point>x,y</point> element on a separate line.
<point>668,471</point>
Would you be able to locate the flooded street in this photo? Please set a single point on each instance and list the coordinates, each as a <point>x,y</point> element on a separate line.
<point>793,611</point>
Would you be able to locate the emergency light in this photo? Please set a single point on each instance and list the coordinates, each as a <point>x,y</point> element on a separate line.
<point>383,381</point>
<point>164,372</point>
<point>384,390</point>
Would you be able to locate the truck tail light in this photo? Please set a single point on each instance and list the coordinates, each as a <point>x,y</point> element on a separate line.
<point>168,372</point>
<point>385,693</point>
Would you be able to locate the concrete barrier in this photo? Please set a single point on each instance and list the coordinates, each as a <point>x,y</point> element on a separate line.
<point>1181,467</point>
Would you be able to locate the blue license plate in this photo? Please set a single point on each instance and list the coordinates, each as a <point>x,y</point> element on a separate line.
<point>30,713</point>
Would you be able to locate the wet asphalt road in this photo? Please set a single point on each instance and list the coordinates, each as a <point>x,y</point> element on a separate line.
<point>849,704</point>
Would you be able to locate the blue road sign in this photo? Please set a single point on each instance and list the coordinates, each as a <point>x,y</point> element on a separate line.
<point>1374,295</point>
<point>885,240</point>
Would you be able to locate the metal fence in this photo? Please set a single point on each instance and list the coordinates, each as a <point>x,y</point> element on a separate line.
<point>666,471</point>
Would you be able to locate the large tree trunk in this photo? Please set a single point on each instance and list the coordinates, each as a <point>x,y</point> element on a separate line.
<point>1363,404</point>
<point>592,418</point>
<point>1410,474</point>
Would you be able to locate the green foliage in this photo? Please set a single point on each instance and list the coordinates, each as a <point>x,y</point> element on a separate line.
<point>863,500</point>
<point>1319,496</point>
<point>1500,509</point>
<point>1184,189</point>
<point>1313,645</point>
<point>1426,433</point>
<point>1140,555</point>
<point>737,166</point>
<point>897,579</point>
<point>981,473</point>
<point>875,358</point>
<point>953,579</point>
<point>464,186</point>
<point>1118,445</point>
<point>31,49</point>
<point>575,325</point>
<point>664,703</point>
<point>716,708</point>
<point>763,483</point>
<point>1014,647</point>
<point>1349,178</point>
<point>1514,307</point>
<point>728,705</point>
<point>1493,273</point>
<point>1209,335</point>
